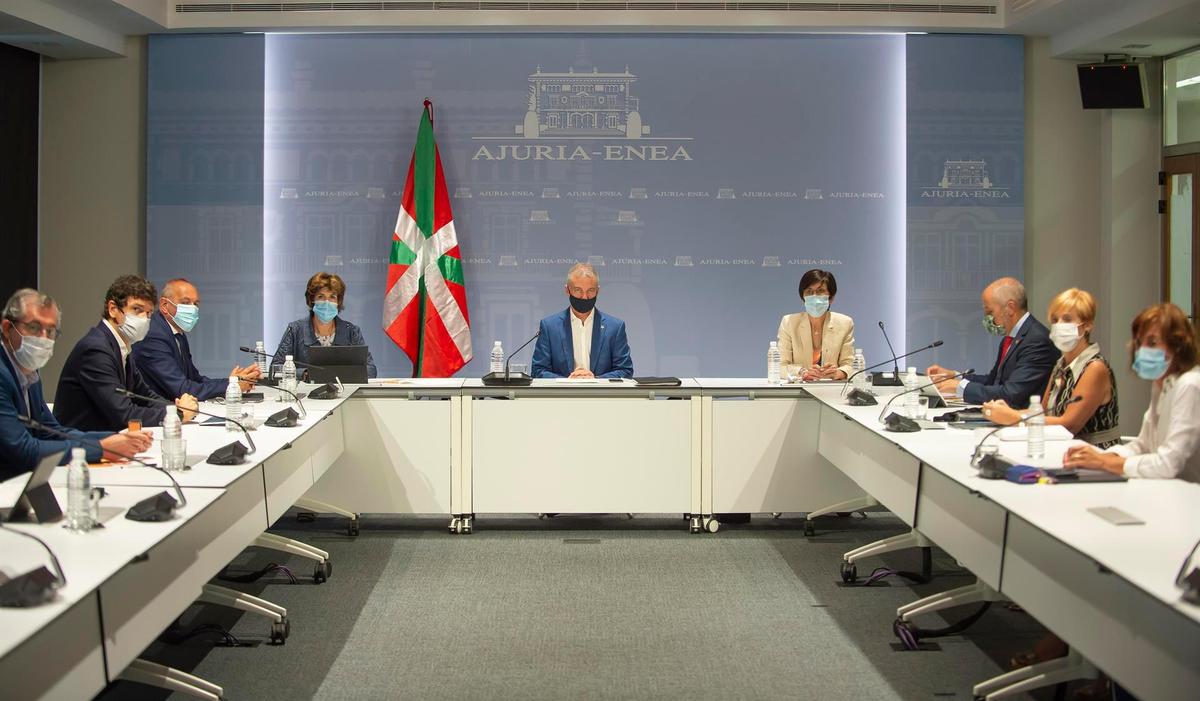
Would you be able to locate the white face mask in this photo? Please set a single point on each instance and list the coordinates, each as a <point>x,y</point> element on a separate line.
<point>1065,336</point>
<point>34,352</point>
<point>134,328</point>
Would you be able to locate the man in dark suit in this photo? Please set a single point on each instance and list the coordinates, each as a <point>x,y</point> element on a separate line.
<point>27,332</point>
<point>100,363</point>
<point>1025,357</point>
<point>164,357</point>
<point>581,341</point>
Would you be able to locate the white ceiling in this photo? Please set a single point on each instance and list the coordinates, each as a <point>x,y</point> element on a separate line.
<point>1077,28</point>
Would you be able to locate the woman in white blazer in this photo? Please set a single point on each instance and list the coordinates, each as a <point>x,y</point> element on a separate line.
<point>817,344</point>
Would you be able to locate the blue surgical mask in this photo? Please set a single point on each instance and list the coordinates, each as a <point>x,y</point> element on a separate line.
<point>325,310</point>
<point>1150,363</point>
<point>186,316</point>
<point>816,305</point>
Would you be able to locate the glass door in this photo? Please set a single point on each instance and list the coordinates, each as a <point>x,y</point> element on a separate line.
<point>1181,275</point>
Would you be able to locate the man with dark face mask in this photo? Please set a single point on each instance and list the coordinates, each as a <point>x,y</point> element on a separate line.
<point>28,330</point>
<point>581,341</point>
<point>1023,361</point>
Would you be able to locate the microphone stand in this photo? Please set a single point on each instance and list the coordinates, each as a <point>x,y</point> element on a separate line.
<point>935,344</point>
<point>26,583</point>
<point>37,426</point>
<point>170,404</point>
<point>896,396</point>
<point>504,379</point>
<point>987,464</point>
<point>895,381</point>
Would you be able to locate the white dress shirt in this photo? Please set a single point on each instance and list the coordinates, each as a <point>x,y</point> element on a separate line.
<point>581,340</point>
<point>1168,446</point>
<point>120,341</point>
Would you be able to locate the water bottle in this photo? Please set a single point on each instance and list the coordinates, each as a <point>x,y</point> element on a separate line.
<point>774,360</point>
<point>233,404</point>
<point>912,400</point>
<point>856,368</point>
<point>288,381</point>
<point>261,354</point>
<point>497,361</point>
<point>1035,427</point>
<point>173,456</point>
<point>79,492</point>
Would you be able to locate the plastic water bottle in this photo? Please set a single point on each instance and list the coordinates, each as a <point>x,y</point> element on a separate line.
<point>233,404</point>
<point>774,361</point>
<point>261,354</point>
<point>497,361</point>
<point>912,400</point>
<point>856,368</point>
<point>1035,428</point>
<point>173,456</point>
<point>79,492</point>
<point>288,381</point>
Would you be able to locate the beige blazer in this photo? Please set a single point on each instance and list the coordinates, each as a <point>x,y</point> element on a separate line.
<point>795,342</point>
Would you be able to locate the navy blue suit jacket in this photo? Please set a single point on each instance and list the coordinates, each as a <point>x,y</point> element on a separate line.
<point>168,367</point>
<point>1022,373</point>
<point>86,398</point>
<point>554,354</point>
<point>21,449</point>
<point>299,336</point>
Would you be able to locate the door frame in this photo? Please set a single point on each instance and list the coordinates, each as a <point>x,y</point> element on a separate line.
<point>1181,165</point>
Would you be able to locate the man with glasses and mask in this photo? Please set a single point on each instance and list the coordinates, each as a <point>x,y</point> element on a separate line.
<point>28,330</point>
<point>100,363</point>
<point>581,341</point>
<point>1024,360</point>
<point>164,357</point>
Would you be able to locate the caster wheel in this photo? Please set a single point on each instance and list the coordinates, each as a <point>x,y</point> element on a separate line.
<point>808,528</point>
<point>323,572</point>
<point>280,632</point>
<point>849,572</point>
<point>712,526</point>
<point>453,528</point>
<point>352,529</point>
<point>466,528</point>
<point>907,635</point>
<point>695,525</point>
<point>306,517</point>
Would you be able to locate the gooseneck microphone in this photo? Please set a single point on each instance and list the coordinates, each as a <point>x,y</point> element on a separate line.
<point>935,344</point>
<point>987,467</point>
<point>168,403</point>
<point>882,382</point>
<point>38,426</point>
<point>896,396</point>
<point>36,586</point>
<point>522,379</point>
<point>293,395</point>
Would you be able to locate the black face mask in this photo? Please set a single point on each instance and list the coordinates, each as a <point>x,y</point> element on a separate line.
<point>583,306</point>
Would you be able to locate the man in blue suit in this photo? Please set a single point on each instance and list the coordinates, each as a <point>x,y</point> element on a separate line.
<point>164,356</point>
<point>581,341</point>
<point>1024,360</point>
<point>27,332</point>
<point>99,364</point>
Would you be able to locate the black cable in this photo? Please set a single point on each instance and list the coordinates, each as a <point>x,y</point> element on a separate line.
<point>256,575</point>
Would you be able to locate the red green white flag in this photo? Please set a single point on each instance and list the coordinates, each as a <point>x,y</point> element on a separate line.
<point>425,308</point>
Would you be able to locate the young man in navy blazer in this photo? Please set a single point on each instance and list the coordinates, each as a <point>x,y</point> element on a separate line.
<point>99,364</point>
<point>581,341</point>
<point>164,356</point>
<point>28,331</point>
<point>1023,361</point>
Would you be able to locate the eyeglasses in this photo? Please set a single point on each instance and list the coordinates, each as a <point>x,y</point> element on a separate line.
<point>33,328</point>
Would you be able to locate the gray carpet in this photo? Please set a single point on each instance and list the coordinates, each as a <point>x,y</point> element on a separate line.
<point>589,607</point>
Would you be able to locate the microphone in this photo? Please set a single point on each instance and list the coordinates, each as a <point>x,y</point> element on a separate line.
<point>36,586</point>
<point>504,379</point>
<point>935,344</point>
<point>895,381</point>
<point>168,403</point>
<point>37,426</point>
<point>987,464</point>
<point>293,395</point>
<point>918,389</point>
<point>270,381</point>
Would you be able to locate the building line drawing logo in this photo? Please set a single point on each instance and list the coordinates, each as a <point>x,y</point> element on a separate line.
<point>966,178</point>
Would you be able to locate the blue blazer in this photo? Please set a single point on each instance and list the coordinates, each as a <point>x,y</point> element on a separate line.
<point>168,367</point>
<point>1022,373</point>
<point>85,398</point>
<point>299,336</point>
<point>21,449</point>
<point>554,355</point>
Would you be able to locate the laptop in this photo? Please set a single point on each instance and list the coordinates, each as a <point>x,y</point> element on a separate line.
<point>345,363</point>
<point>28,497</point>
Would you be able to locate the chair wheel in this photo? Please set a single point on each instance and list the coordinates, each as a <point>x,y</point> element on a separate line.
<point>712,525</point>
<point>352,529</point>
<point>849,572</point>
<point>323,572</point>
<point>809,530</point>
<point>280,632</point>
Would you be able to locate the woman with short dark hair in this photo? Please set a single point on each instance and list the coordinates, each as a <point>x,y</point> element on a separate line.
<point>817,344</point>
<point>325,296</point>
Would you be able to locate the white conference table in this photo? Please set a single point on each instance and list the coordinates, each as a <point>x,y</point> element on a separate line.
<point>1107,590</point>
